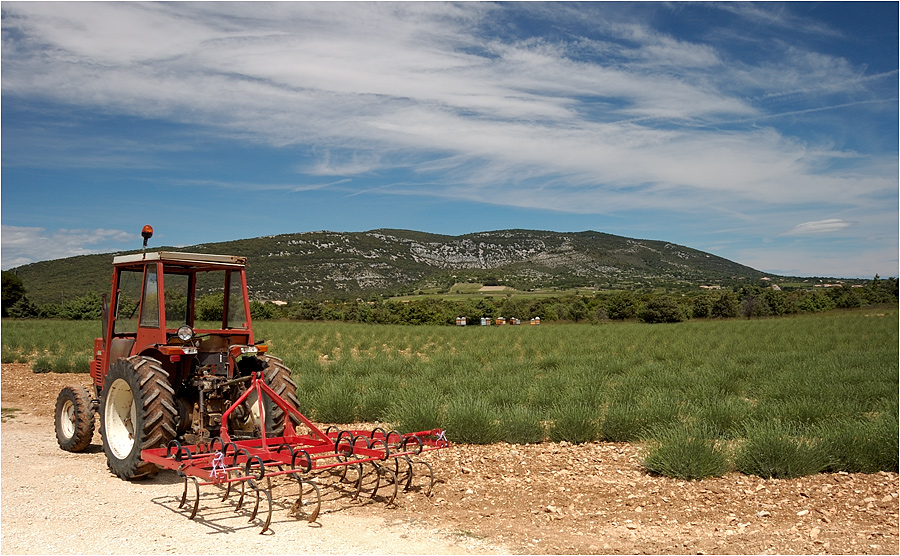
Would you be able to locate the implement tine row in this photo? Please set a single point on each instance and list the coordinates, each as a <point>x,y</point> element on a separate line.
<point>251,465</point>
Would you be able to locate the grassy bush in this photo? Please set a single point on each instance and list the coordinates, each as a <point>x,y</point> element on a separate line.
<point>622,422</point>
<point>473,421</point>
<point>375,397</point>
<point>861,445</point>
<point>50,345</point>
<point>626,421</point>
<point>777,450</point>
<point>416,412</point>
<point>723,414</point>
<point>521,425</point>
<point>42,364</point>
<point>336,403</point>
<point>576,423</point>
<point>686,452</point>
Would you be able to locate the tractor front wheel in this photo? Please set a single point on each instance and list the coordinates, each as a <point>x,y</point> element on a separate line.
<point>74,419</point>
<point>137,412</point>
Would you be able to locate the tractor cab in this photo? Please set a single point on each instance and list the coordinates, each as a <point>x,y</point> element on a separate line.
<point>177,307</point>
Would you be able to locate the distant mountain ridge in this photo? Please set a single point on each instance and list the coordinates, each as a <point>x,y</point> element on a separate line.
<point>298,265</point>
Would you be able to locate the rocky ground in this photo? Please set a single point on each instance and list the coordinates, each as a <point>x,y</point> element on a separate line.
<point>546,498</point>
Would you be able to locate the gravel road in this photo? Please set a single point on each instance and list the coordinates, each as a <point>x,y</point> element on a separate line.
<point>56,502</point>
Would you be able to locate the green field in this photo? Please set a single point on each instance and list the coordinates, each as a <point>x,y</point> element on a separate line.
<point>777,397</point>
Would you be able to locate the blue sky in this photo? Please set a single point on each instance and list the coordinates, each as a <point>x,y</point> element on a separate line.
<point>764,133</point>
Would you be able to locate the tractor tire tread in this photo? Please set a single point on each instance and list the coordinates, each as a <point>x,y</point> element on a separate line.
<point>83,419</point>
<point>154,398</point>
<point>278,377</point>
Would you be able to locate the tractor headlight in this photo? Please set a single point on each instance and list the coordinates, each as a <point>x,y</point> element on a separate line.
<point>185,333</point>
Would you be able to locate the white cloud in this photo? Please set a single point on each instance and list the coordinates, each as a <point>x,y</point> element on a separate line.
<point>23,245</point>
<point>829,226</point>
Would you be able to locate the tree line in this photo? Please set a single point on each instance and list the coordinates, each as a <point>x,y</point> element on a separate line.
<point>650,307</point>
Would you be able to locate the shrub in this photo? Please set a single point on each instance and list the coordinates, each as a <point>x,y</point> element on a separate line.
<point>778,450</point>
<point>86,307</point>
<point>336,403</point>
<point>722,415</point>
<point>417,412</point>
<point>42,364</point>
<point>473,421</point>
<point>816,302</point>
<point>24,309</point>
<point>685,452</point>
<point>661,309</point>
<point>621,306</point>
<point>575,423</point>
<point>701,307</point>
<point>725,306</point>
<point>521,425</point>
<point>209,307</point>
<point>861,445</point>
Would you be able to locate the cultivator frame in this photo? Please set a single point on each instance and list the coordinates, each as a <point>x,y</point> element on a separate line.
<point>254,463</point>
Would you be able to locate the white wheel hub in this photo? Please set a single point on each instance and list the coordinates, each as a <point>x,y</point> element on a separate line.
<point>254,416</point>
<point>121,414</point>
<point>67,419</point>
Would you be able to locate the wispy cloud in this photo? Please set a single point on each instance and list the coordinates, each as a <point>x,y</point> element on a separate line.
<point>23,245</point>
<point>829,226</point>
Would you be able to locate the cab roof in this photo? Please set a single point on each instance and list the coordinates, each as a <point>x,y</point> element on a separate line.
<point>184,259</point>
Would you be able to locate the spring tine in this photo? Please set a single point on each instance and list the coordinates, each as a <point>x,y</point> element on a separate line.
<point>390,500</point>
<point>297,508</point>
<point>183,494</point>
<point>430,476</point>
<point>359,479</point>
<point>269,515</point>
<point>315,512</point>
<point>377,480</point>
<point>256,506</point>
<point>227,487</point>
<point>196,499</point>
<point>409,473</point>
<point>241,499</point>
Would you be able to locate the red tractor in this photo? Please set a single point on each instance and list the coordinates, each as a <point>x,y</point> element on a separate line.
<point>177,350</point>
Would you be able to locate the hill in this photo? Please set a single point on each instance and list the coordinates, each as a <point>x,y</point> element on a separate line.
<point>316,264</point>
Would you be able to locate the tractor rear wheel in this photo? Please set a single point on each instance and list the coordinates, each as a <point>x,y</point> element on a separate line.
<point>278,377</point>
<point>137,412</point>
<point>74,419</point>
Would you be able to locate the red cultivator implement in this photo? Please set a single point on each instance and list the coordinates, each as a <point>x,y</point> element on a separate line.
<point>386,457</point>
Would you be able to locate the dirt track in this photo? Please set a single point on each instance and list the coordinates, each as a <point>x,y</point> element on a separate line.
<point>547,498</point>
